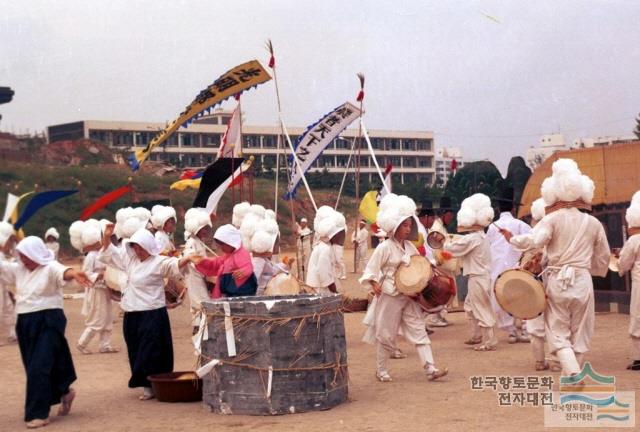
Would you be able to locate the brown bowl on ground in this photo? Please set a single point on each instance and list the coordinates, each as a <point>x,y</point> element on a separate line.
<point>177,387</point>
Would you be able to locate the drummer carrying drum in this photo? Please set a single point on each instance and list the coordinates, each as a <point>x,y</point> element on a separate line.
<point>576,248</point>
<point>391,310</point>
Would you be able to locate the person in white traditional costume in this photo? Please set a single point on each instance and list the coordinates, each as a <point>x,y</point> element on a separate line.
<point>262,236</point>
<point>7,301</point>
<point>40,327</point>
<point>505,257</point>
<point>51,239</point>
<point>390,312</point>
<point>474,248</point>
<point>304,240</point>
<point>97,308</point>
<point>437,220</point>
<point>629,261</point>
<point>360,240</point>
<point>577,248</point>
<point>146,327</point>
<point>164,220</point>
<point>324,267</point>
<point>197,229</point>
<point>535,326</point>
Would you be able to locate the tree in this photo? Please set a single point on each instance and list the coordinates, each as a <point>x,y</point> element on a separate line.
<point>636,131</point>
<point>482,176</point>
<point>517,176</point>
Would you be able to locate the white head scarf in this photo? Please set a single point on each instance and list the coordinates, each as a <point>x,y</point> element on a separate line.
<point>52,232</point>
<point>228,234</point>
<point>34,248</point>
<point>146,241</point>
<point>6,231</point>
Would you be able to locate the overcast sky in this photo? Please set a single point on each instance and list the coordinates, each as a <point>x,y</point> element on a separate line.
<point>487,76</point>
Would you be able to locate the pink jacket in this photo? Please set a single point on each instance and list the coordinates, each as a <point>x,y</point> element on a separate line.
<point>227,264</point>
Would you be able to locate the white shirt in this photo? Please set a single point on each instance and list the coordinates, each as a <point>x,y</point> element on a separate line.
<point>323,266</point>
<point>165,241</point>
<point>195,280</point>
<point>145,279</point>
<point>475,251</point>
<point>384,263</point>
<point>503,255</point>
<point>265,269</point>
<point>630,259</point>
<point>36,290</point>
<point>566,244</point>
<point>53,247</point>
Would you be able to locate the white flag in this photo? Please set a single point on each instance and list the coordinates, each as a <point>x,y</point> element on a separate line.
<point>231,145</point>
<point>316,138</point>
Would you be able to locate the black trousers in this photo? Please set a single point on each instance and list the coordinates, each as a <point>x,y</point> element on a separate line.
<point>149,344</point>
<point>46,359</point>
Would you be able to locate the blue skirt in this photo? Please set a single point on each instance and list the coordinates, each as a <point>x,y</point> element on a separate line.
<point>149,344</point>
<point>46,359</point>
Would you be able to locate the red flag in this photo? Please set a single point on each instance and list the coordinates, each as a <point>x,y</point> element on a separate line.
<point>272,62</point>
<point>105,200</point>
<point>187,175</point>
<point>360,96</point>
<point>454,164</point>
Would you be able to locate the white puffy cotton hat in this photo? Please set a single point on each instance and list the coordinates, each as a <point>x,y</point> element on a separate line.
<point>475,211</point>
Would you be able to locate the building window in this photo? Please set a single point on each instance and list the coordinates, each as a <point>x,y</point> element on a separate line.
<point>251,141</point>
<point>408,144</point>
<point>425,162</point>
<point>122,139</point>
<point>327,161</point>
<point>395,161</point>
<point>98,136</point>
<point>342,161</point>
<point>342,144</point>
<point>424,144</point>
<point>409,162</point>
<point>187,140</point>
<point>211,140</point>
<point>172,141</point>
<point>269,141</point>
<point>377,143</point>
<point>393,144</point>
<point>209,159</point>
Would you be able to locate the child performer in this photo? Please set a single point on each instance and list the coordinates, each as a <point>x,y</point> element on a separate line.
<point>535,326</point>
<point>263,245</point>
<point>474,248</point>
<point>393,311</point>
<point>86,237</point>
<point>630,261</point>
<point>360,240</point>
<point>324,267</point>
<point>7,300</point>
<point>197,228</point>
<point>163,219</point>
<point>233,269</point>
<point>39,279</point>
<point>51,238</point>
<point>146,327</point>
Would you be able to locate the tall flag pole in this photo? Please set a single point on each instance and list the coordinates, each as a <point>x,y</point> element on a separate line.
<point>272,65</point>
<point>359,98</point>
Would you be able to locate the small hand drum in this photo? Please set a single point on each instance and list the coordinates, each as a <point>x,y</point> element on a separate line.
<point>282,284</point>
<point>520,294</point>
<point>412,278</point>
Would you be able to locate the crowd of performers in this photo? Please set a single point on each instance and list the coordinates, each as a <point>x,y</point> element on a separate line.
<point>139,251</point>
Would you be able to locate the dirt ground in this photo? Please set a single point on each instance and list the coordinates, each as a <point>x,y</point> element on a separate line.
<point>410,403</point>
